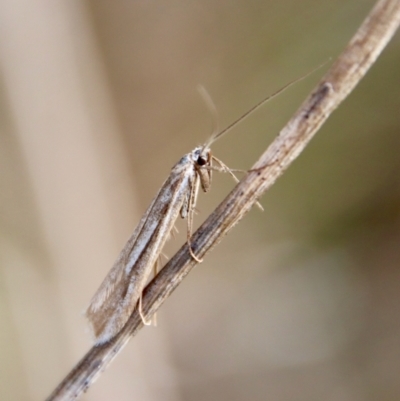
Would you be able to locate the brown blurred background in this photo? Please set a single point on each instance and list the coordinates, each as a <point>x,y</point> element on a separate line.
<point>98,100</point>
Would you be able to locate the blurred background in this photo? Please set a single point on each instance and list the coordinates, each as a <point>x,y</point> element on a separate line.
<point>98,100</point>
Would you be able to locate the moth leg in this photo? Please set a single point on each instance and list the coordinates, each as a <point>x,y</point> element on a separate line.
<point>191,209</point>
<point>174,231</point>
<point>145,322</point>
<point>153,320</point>
<point>198,260</point>
<point>226,169</point>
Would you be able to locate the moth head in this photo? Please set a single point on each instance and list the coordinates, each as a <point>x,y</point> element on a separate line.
<point>203,159</point>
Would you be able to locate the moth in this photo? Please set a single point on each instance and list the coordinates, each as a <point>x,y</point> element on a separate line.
<point>118,295</point>
<point>120,291</point>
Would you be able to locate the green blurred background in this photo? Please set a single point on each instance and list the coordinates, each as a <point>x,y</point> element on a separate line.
<point>98,100</point>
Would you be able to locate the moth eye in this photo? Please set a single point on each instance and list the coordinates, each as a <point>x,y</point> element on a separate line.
<point>201,161</point>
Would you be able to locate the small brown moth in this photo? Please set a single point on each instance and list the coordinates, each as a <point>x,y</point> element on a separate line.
<point>117,296</point>
<point>120,291</point>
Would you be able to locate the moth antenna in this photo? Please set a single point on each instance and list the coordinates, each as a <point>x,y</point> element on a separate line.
<point>214,113</point>
<point>214,137</point>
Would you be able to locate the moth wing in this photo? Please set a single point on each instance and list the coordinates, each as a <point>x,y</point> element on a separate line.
<point>113,313</point>
<point>114,287</point>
